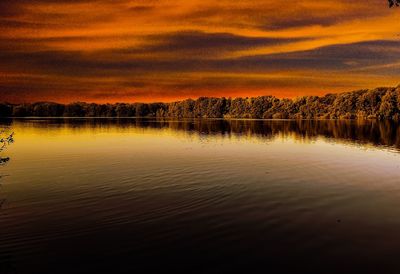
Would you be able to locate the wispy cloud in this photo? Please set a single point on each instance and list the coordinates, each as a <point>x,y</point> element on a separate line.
<point>103,50</point>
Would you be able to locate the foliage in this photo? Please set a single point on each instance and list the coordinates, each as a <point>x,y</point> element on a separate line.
<point>379,103</point>
<point>5,140</point>
<point>393,3</point>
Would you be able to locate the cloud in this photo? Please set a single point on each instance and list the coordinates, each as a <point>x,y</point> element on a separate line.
<point>122,62</point>
<point>160,49</point>
<point>333,57</point>
<point>194,43</point>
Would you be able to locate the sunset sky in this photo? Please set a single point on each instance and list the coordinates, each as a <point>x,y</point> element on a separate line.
<point>164,50</point>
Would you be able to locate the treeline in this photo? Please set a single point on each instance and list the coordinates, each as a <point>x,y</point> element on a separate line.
<point>380,103</point>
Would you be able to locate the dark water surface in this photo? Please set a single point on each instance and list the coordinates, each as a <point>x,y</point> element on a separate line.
<point>200,196</point>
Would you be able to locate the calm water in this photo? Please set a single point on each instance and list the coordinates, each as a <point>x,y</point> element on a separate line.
<point>203,196</point>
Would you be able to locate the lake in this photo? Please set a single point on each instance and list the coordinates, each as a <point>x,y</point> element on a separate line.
<point>200,196</point>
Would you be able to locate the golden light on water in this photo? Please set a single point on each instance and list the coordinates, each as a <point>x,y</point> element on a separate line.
<point>140,184</point>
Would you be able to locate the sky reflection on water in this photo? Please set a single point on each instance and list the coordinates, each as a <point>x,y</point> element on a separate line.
<point>201,196</point>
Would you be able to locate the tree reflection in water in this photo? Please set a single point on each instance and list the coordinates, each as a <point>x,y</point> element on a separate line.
<point>372,132</point>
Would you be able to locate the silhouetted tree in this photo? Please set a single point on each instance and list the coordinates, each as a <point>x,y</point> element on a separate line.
<point>393,3</point>
<point>5,110</point>
<point>379,103</point>
<point>141,109</point>
<point>5,140</point>
<point>75,110</point>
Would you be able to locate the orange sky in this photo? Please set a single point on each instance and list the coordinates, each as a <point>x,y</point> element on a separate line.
<point>163,50</point>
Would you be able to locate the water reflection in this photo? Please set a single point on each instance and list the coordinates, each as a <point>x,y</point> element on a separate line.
<point>201,196</point>
<point>377,133</point>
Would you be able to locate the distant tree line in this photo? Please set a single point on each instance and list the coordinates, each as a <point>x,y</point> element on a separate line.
<point>379,103</point>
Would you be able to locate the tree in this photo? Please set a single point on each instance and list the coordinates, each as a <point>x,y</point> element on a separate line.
<point>5,140</point>
<point>379,103</point>
<point>74,110</point>
<point>393,3</point>
<point>388,107</point>
<point>142,110</point>
<point>5,110</point>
